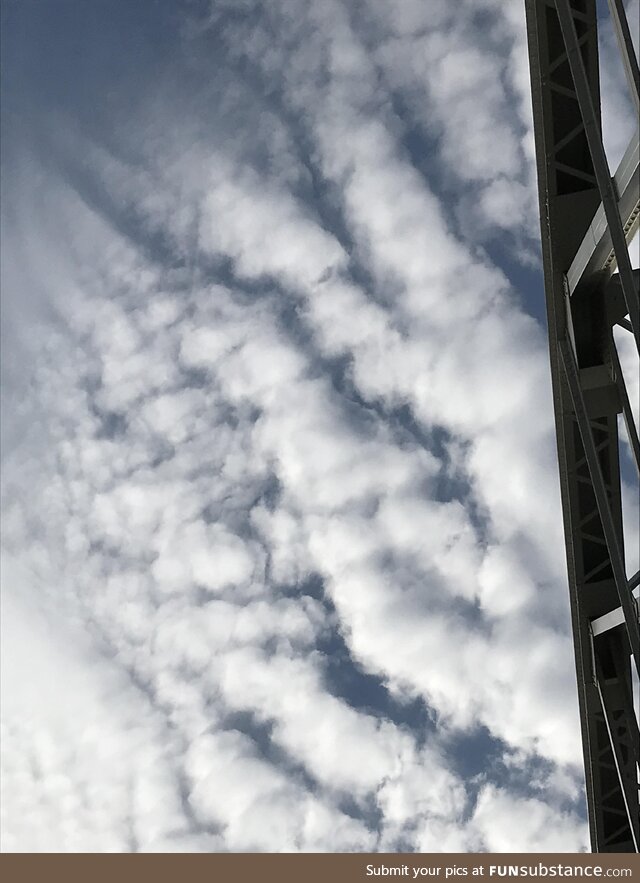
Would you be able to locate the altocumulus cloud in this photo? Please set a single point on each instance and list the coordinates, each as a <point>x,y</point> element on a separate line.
<point>282,558</point>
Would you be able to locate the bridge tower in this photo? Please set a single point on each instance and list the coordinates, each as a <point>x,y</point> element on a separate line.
<point>588,217</point>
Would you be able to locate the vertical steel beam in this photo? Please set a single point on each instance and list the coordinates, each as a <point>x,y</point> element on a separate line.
<point>619,718</point>
<point>616,560</point>
<point>576,198</point>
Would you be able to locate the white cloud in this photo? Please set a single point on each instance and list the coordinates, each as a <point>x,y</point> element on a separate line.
<point>261,808</point>
<point>322,390</point>
<point>86,764</point>
<point>501,820</point>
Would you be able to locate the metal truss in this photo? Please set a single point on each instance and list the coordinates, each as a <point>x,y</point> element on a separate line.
<point>588,216</point>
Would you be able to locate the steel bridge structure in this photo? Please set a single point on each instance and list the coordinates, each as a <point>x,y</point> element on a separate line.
<point>589,214</point>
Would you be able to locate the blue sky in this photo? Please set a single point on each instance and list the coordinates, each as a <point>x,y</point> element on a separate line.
<point>282,554</point>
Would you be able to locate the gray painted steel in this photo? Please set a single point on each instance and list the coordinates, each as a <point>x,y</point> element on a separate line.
<point>587,218</point>
<point>595,253</point>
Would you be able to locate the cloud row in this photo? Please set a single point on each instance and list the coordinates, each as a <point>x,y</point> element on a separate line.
<point>287,404</point>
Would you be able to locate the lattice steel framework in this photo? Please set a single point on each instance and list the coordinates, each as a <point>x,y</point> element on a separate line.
<point>587,219</point>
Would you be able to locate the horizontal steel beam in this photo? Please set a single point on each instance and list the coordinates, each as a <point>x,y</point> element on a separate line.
<point>596,253</point>
<point>612,619</point>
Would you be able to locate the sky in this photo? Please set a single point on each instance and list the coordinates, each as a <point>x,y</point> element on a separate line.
<point>282,564</point>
